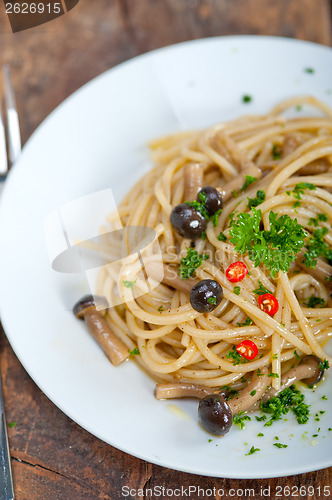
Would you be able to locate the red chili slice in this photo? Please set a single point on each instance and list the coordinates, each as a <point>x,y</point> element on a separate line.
<point>247,349</point>
<point>236,272</point>
<point>268,303</point>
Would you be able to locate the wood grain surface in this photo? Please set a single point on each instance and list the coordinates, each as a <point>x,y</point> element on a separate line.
<point>53,458</point>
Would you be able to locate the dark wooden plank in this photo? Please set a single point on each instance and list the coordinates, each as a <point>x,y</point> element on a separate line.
<point>52,456</point>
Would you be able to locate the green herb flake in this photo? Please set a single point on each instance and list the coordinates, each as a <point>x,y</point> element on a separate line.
<point>129,284</point>
<point>316,247</point>
<point>210,440</point>
<point>246,99</point>
<point>190,263</point>
<point>325,398</point>
<point>249,179</point>
<point>276,152</point>
<point>221,237</point>
<point>314,301</point>
<point>247,322</point>
<point>320,218</point>
<point>260,434</point>
<point>296,354</point>
<point>11,424</point>
<point>237,290</point>
<point>324,365</point>
<point>261,290</point>
<point>203,236</point>
<point>235,193</point>
<point>252,394</point>
<point>252,451</point>
<point>160,308</point>
<point>134,352</point>
<point>273,375</point>
<point>240,418</point>
<point>300,188</point>
<point>280,445</point>
<point>275,356</point>
<point>310,71</point>
<point>254,202</point>
<point>236,357</point>
<point>212,300</point>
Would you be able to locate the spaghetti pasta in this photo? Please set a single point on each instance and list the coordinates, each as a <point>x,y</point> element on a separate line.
<point>260,165</point>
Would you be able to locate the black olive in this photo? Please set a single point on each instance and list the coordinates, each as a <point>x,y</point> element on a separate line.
<point>212,199</point>
<point>206,296</point>
<point>187,221</point>
<point>215,415</point>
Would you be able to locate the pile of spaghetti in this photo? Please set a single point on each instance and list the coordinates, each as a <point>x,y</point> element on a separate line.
<point>269,248</point>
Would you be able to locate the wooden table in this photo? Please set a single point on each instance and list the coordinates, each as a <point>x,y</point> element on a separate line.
<point>52,457</point>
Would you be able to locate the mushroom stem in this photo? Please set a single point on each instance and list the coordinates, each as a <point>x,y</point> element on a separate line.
<point>113,347</point>
<point>182,390</point>
<point>251,393</point>
<point>193,180</point>
<point>171,277</point>
<point>308,371</point>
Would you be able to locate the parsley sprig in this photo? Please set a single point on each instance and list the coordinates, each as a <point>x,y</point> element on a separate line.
<point>240,418</point>
<point>190,263</point>
<point>275,248</point>
<point>200,206</point>
<point>249,179</point>
<point>314,301</point>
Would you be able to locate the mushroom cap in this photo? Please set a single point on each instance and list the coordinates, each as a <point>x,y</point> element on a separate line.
<point>89,302</point>
<point>317,372</point>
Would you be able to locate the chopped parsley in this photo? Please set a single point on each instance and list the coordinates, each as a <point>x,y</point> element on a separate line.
<point>296,355</point>
<point>247,322</point>
<point>261,290</point>
<point>210,440</point>
<point>314,301</point>
<point>129,284</point>
<point>240,418</point>
<point>190,263</point>
<point>200,206</point>
<point>316,246</point>
<point>221,237</point>
<point>299,189</point>
<point>324,365</point>
<point>237,290</point>
<point>11,424</point>
<point>160,308</point>
<point>297,204</point>
<point>203,236</point>
<point>273,375</point>
<point>252,451</point>
<point>325,398</point>
<point>254,202</point>
<point>288,399</point>
<point>320,218</point>
<point>309,70</point>
<point>249,180</point>
<point>236,357</point>
<point>276,248</point>
<point>212,300</point>
<point>279,445</point>
<point>260,419</point>
<point>246,99</point>
<point>276,152</point>
<point>260,434</point>
<point>275,356</point>
<point>134,352</point>
<point>252,394</point>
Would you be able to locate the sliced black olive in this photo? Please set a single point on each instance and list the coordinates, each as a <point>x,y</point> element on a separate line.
<point>206,296</point>
<point>215,415</point>
<point>211,198</point>
<point>315,363</point>
<point>187,221</point>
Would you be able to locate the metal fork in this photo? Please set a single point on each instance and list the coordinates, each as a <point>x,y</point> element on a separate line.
<point>11,125</point>
<point>9,135</point>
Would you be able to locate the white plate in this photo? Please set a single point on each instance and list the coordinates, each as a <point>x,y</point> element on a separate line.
<point>96,140</point>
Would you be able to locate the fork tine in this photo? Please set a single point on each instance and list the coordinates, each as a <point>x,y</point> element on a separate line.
<point>3,150</point>
<point>13,126</point>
